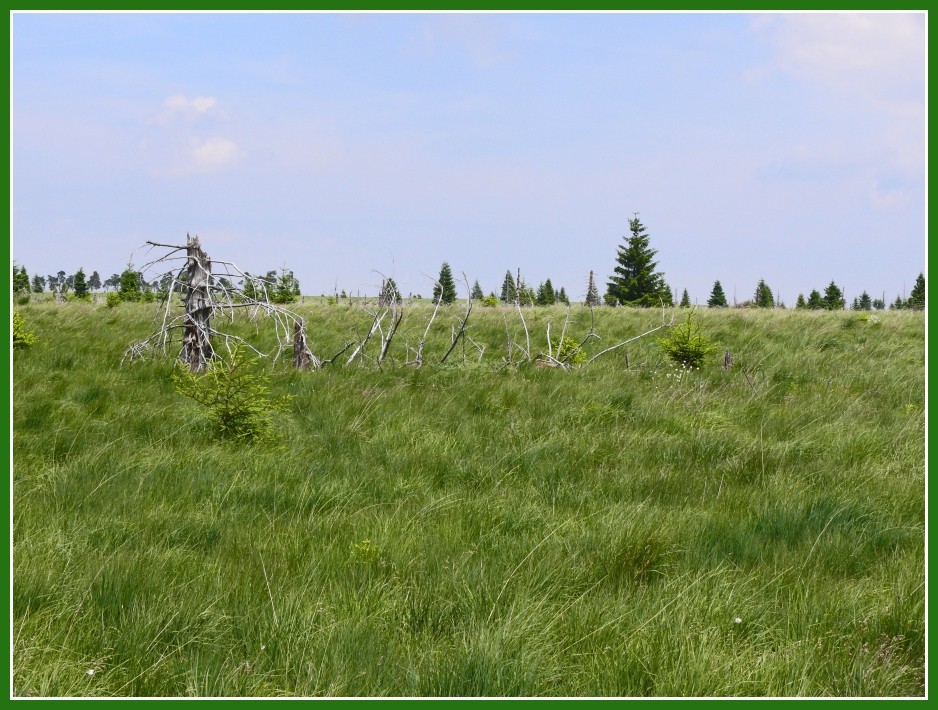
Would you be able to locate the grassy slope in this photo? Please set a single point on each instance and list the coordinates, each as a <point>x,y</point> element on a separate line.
<point>529,532</point>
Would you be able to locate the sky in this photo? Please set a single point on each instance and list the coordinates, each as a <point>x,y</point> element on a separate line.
<point>783,147</point>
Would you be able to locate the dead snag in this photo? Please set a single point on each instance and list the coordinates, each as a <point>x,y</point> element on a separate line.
<point>196,342</point>
<point>303,358</point>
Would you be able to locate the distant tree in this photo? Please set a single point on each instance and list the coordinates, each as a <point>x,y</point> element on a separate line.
<point>801,303</point>
<point>130,285</point>
<point>526,295</point>
<point>342,295</point>
<point>112,282</point>
<point>592,295</point>
<point>917,297</point>
<point>508,289</point>
<point>898,304</point>
<point>562,297</point>
<point>52,282</point>
<point>763,297</point>
<point>545,294</point>
<point>685,300</point>
<point>390,295</point>
<point>39,283</point>
<point>815,302</point>
<point>477,294</point>
<point>864,302</point>
<point>80,285</point>
<point>63,282</point>
<point>94,281</point>
<point>20,279</point>
<point>717,297</point>
<point>833,297</point>
<point>634,281</point>
<point>445,290</point>
<point>879,304</point>
<point>285,287</point>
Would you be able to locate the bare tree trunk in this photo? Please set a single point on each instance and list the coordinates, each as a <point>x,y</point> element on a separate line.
<point>196,342</point>
<point>303,357</point>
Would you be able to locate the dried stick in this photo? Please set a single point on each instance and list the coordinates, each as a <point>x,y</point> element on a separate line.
<point>626,342</point>
<point>462,327</point>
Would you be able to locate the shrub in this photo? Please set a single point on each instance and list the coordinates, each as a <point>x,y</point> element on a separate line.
<point>566,351</point>
<point>686,345</point>
<point>236,395</point>
<point>22,299</point>
<point>22,338</point>
<point>490,301</point>
<point>113,299</point>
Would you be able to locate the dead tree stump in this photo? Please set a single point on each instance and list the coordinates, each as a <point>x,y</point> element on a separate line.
<point>303,357</point>
<point>196,342</point>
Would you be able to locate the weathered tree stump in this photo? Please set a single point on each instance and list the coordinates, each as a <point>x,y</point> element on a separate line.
<point>303,358</point>
<point>196,342</point>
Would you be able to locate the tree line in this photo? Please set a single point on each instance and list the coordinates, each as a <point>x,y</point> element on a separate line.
<point>131,285</point>
<point>635,281</point>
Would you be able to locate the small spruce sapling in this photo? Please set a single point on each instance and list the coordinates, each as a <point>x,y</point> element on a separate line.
<point>236,396</point>
<point>686,344</point>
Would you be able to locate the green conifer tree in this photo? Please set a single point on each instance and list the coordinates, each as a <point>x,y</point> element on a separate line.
<point>545,294</point>
<point>80,284</point>
<point>717,297</point>
<point>833,297</point>
<point>130,285</point>
<point>763,297</point>
<point>815,302</point>
<point>685,300</point>
<point>592,295</point>
<point>446,287</point>
<point>562,296</point>
<point>917,297</point>
<point>508,288</point>
<point>801,303</point>
<point>634,281</point>
<point>39,283</point>
<point>864,302</point>
<point>477,294</point>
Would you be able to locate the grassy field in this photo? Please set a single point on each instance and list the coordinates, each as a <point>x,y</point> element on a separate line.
<point>473,529</point>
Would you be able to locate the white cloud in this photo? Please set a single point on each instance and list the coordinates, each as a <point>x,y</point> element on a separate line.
<point>878,56</point>
<point>213,153</point>
<point>178,106</point>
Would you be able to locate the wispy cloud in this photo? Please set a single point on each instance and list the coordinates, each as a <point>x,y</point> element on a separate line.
<point>178,106</point>
<point>879,56</point>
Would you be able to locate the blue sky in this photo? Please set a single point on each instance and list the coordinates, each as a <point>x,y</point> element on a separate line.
<point>786,147</point>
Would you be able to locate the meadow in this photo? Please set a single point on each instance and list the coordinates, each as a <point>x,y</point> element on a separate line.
<point>477,529</point>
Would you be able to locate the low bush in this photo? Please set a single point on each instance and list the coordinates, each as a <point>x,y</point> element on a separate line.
<point>22,338</point>
<point>235,394</point>
<point>686,344</point>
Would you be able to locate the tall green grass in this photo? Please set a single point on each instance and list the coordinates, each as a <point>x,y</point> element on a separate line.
<point>476,529</point>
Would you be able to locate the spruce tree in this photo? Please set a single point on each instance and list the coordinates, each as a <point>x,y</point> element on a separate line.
<point>94,281</point>
<point>446,288</point>
<point>685,299</point>
<point>390,295</point>
<point>477,294</point>
<point>898,304</point>
<point>39,283</point>
<point>917,297</point>
<point>879,304</point>
<point>763,297</point>
<point>833,297</point>
<point>562,297</point>
<point>634,281</point>
<point>801,303</point>
<point>508,288</point>
<point>20,280</point>
<point>815,302</point>
<point>592,295</point>
<point>545,294</point>
<point>717,297</point>
<point>864,303</point>
<point>80,285</point>
<point>130,285</point>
